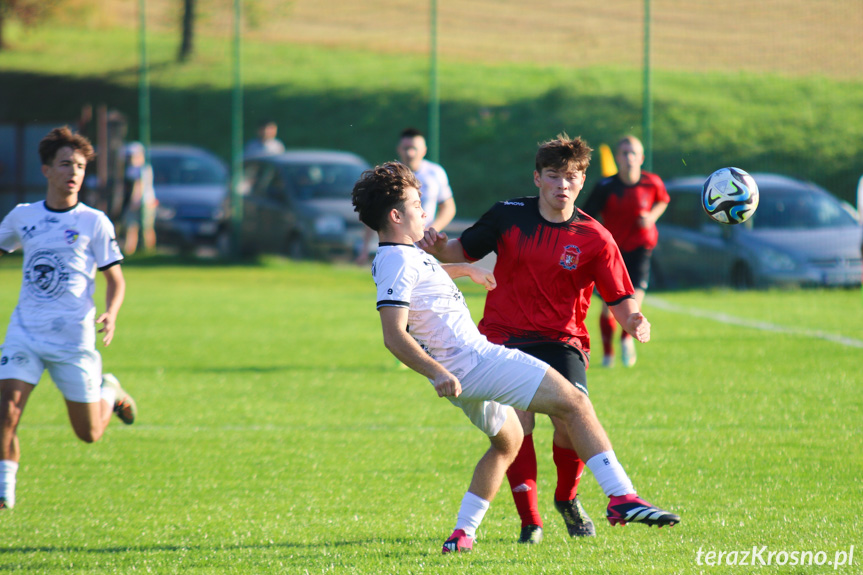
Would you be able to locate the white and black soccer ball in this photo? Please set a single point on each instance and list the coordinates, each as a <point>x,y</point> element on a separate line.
<point>729,196</point>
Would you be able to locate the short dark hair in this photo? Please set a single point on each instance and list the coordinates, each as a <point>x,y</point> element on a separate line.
<point>380,190</point>
<point>629,138</point>
<point>64,138</point>
<point>411,133</point>
<point>563,152</point>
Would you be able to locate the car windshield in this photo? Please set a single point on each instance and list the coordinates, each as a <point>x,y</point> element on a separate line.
<point>187,170</point>
<point>806,209</point>
<point>323,180</point>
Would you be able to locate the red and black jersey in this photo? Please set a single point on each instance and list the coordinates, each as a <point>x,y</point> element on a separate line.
<point>545,273</point>
<point>619,206</point>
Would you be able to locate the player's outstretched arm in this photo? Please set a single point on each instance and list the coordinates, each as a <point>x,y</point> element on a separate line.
<point>629,316</point>
<point>394,321</point>
<point>479,275</point>
<point>440,246</point>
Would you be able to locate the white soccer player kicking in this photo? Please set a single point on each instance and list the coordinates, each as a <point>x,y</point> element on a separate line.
<point>53,326</point>
<point>427,326</point>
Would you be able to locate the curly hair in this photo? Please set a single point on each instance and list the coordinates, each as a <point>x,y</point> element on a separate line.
<point>380,190</point>
<point>64,138</point>
<point>563,152</point>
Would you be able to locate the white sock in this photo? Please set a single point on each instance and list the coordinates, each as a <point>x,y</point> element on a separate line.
<point>109,394</point>
<point>8,470</point>
<point>610,474</point>
<point>470,513</point>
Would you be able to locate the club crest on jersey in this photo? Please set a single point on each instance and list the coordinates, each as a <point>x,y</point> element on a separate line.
<point>71,236</point>
<point>569,257</point>
<point>45,275</point>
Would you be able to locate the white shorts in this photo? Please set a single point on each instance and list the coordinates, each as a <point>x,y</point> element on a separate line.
<point>77,373</point>
<point>503,377</point>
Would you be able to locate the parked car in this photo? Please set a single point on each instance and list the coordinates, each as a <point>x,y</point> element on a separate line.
<point>799,235</point>
<point>192,187</point>
<point>299,203</point>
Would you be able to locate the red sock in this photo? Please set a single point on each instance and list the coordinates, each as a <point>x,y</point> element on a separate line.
<point>522,481</point>
<point>606,327</point>
<point>569,470</point>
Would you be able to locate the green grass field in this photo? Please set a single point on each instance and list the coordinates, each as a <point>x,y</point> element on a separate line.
<point>276,435</point>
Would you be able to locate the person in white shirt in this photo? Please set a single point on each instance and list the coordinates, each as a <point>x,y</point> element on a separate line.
<point>53,326</point>
<point>437,199</point>
<point>266,144</point>
<point>427,326</point>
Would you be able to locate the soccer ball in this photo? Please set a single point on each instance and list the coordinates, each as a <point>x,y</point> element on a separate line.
<point>729,196</point>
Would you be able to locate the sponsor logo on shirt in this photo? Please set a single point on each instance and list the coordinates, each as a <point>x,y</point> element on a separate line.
<point>18,358</point>
<point>508,203</point>
<point>569,257</point>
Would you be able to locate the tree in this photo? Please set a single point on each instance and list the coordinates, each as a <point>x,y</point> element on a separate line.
<point>187,46</point>
<point>28,12</point>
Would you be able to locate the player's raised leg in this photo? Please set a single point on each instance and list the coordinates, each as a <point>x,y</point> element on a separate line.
<point>485,483</point>
<point>13,398</point>
<point>90,419</point>
<point>558,398</point>
<point>123,405</point>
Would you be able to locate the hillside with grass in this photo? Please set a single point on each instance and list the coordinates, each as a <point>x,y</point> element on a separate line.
<point>778,90</point>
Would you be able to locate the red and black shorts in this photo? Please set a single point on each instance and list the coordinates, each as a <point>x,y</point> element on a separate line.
<point>564,358</point>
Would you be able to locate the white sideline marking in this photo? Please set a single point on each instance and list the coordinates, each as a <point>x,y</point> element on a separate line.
<point>754,324</point>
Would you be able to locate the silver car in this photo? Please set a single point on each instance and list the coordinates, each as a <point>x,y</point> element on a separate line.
<point>799,235</point>
<point>298,203</point>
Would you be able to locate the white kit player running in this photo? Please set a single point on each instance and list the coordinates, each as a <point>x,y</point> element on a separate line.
<point>427,326</point>
<point>53,326</point>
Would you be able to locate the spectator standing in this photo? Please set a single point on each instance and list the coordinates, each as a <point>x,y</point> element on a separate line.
<point>437,197</point>
<point>266,144</point>
<point>139,205</point>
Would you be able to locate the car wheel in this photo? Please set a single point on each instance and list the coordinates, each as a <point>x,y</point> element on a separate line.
<point>741,277</point>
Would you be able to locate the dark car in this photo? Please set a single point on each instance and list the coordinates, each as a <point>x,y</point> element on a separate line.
<point>799,235</point>
<point>192,187</point>
<point>298,203</point>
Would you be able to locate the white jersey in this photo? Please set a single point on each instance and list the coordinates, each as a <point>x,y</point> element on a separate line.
<point>439,319</point>
<point>435,187</point>
<point>62,251</point>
